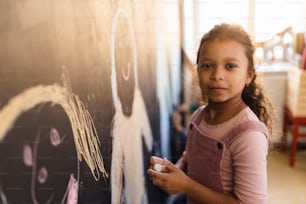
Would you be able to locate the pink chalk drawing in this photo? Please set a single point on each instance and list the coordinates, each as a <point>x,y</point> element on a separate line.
<point>55,137</point>
<point>42,175</point>
<point>27,155</point>
<point>73,187</point>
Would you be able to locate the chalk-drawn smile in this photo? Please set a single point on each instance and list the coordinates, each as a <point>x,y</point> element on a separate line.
<point>126,74</point>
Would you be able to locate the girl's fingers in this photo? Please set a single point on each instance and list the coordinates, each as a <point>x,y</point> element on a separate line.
<point>170,166</point>
<point>156,177</point>
<point>150,172</point>
<point>155,159</point>
<point>154,173</point>
<point>152,159</point>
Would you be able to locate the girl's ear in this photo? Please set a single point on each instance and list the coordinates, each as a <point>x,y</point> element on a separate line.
<point>250,76</point>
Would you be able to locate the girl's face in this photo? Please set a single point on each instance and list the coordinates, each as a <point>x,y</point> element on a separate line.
<point>223,71</point>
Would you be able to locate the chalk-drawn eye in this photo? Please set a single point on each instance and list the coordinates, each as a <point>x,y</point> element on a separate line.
<point>27,155</point>
<point>55,137</point>
<point>42,175</point>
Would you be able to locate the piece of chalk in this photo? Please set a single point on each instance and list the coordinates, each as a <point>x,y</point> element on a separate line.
<point>158,167</point>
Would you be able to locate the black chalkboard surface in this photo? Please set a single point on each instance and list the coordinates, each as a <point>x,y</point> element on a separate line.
<point>79,80</point>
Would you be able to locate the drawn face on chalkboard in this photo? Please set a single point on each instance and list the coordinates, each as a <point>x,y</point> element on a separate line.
<point>51,173</point>
<point>48,159</point>
<point>124,65</point>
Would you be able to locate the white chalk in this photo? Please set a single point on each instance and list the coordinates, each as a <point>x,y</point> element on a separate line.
<point>158,167</point>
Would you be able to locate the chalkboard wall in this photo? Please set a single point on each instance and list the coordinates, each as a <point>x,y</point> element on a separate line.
<point>80,80</point>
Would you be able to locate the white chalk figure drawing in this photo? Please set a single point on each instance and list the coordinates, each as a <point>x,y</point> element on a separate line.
<point>130,122</point>
<point>84,132</point>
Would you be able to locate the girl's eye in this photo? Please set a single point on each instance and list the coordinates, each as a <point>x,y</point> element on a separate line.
<point>230,66</point>
<point>206,66</point>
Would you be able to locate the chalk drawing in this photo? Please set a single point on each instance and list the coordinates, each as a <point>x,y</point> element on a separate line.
<point>130,123</point>
<point>27,155</point>
<point>71,192</point>
<point>55,137</point>
<point>30,160</point>
<point>84,132</point>
<point>2,196</point>
<point>73,188</point>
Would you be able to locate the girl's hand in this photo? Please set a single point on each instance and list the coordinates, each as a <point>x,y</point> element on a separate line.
<point>171,179</point>
<point>157,161</point>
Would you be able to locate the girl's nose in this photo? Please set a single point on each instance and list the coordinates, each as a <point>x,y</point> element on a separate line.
<point>217,74</point>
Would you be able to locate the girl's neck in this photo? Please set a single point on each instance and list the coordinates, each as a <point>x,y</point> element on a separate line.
<point>221,112</point>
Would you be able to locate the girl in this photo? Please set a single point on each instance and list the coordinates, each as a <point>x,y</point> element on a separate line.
<point>225,156</point>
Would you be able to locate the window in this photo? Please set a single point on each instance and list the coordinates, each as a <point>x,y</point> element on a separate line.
<point>273,16</point>
<point>208,13</point>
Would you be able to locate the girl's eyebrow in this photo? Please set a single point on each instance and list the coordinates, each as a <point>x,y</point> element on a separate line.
<point>231,59</point>
<point>225,59</point>
<point>205,59</point>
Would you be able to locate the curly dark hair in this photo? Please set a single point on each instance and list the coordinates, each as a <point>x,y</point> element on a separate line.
<point>252,94</point>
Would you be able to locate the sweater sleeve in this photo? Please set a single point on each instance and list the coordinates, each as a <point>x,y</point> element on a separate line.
<point>249,157</point>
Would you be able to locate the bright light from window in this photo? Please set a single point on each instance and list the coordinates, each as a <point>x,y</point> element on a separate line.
<point>273,16</point>
<point>210,13</point>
